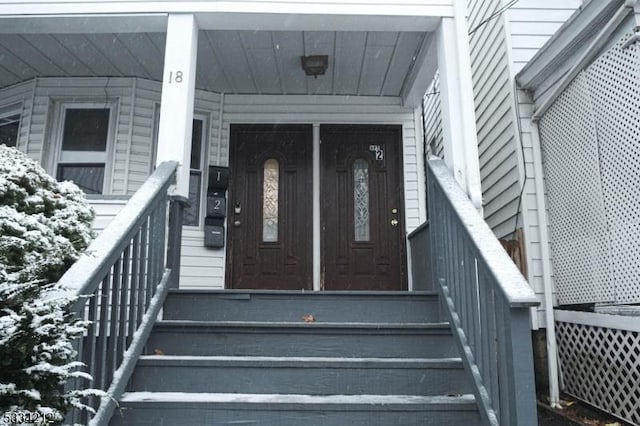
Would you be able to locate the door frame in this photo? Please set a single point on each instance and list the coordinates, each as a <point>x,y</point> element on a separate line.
<point>316,252</point>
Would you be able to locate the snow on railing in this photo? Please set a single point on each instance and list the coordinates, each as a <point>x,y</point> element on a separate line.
<point>487,301</point>
<point>122,281</point>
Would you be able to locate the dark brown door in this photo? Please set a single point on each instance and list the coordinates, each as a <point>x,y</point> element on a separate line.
<point>270,211</point>
<point>362,208</point>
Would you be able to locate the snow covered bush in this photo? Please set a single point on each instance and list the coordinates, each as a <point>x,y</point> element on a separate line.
<point>44,226</point>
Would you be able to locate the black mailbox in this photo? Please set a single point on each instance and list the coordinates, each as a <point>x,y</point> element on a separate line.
<point>216,204</point>
<point>213,232</point>
<point>218,178</point>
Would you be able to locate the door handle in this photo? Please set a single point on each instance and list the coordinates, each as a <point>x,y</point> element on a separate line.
<point>394,222</point>
<point>237,223</point>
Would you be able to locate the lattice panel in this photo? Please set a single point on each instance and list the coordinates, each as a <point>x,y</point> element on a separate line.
<point>602,367</point>
<point>614,82</point>
<point>579,236</point>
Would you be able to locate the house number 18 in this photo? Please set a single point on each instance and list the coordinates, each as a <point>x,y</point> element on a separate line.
<point>175,77</point>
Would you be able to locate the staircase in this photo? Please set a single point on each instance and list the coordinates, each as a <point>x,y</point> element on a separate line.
<point>296,358</point>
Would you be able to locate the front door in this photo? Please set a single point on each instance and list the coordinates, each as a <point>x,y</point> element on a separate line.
<point>363,240</point>
<point>270,211</point>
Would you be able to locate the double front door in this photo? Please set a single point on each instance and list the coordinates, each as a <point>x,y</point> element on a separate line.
<point>270,221</point>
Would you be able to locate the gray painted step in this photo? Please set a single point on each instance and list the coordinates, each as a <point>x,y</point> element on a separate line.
<point>279,306</point>
<point>311,375</point>
<point>179,409</point>
<point>360,340</point>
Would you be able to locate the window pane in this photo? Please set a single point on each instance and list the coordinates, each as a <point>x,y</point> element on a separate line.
<point>196,144</point>
<point>192,212</point>
<point>9,130</point>
<point>270,201</point>
<point>361,200</point>
<point>89,177</point>
<point>85,129</point>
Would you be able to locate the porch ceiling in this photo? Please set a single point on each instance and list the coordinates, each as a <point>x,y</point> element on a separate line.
<point>376,63</point>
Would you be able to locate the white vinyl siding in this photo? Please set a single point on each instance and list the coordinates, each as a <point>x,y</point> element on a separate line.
<point>137,100</point>
<point>494,117</point>
<point>530,24</point>
<point>433,119</point>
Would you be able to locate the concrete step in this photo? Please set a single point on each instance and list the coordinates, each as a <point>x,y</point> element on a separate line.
<point>292,306</point>
<point>179,409</point>
<point>283,339</point>
<point>301,375</point>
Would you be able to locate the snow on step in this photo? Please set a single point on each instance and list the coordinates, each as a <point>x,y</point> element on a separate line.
<point>291,399</point>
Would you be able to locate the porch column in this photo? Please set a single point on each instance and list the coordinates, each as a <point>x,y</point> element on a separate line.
<point>458,111</point>
<point>178,90</point>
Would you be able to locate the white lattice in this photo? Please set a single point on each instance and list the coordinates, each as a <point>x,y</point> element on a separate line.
<point>591,152</point>
<point>602,367</point>
<point>579,237</point>
<point>614,82</point>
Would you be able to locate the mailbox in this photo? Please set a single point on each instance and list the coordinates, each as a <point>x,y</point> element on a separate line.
<point>218,178</point>
<point>216,204</point>
<point>213,232</point>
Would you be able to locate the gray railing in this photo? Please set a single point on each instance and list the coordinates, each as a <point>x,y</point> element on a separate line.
<point>419,251</point>
<point>487,302</point>
<point>122,281</point>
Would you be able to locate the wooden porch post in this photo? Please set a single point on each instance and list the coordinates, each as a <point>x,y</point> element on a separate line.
<point>458,111</point>
<point>178,91</point>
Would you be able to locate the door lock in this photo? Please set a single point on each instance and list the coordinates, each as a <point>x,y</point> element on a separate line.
<point>394,222</point>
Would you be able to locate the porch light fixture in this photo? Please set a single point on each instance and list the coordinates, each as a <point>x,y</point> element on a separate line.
<point>315,65</point>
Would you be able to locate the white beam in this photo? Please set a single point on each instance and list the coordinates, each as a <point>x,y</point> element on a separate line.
<point>422,73</point>
<point>178,91</point>
<point>316,208</point>
<point>458,111</point>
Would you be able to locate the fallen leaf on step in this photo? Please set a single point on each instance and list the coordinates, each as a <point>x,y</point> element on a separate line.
<point>308,318</point>
<point>158,352</point>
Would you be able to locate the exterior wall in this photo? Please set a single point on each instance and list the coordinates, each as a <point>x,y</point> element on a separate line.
<point>137,105</point>
<point>432,114</point>
<point>529,25</point>
<point>499,49</point>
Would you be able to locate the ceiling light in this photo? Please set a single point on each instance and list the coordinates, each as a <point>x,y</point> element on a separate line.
<point>315,65</point>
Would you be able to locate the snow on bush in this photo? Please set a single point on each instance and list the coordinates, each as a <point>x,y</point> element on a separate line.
<point>44,226</point>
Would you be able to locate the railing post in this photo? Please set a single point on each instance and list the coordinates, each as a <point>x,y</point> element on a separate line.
<point>174,243</point>
<point>518,348</point>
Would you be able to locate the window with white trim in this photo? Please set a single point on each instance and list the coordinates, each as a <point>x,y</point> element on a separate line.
<point>198,145</point>
<point>9,126</point>
<point>84,135</point>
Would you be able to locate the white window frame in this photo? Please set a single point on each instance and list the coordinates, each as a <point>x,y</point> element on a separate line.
<point>75,157</point>
<point>205,117</point>
<point>8,111</point>
<point>204,144</point>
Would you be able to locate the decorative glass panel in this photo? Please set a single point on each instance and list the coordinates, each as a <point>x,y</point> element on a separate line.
<point>270,200</point>
<point>361,200</point>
